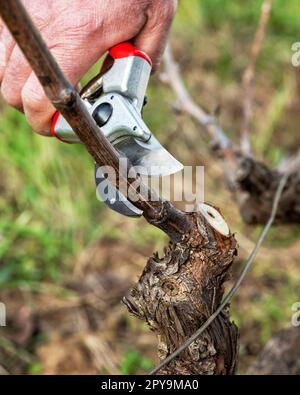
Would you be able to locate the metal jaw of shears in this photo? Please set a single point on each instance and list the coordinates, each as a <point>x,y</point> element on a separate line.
<point>115,99</point>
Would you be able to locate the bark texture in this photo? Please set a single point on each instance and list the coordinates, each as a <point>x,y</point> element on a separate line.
<point>178,292</point>
<point>255,187</point>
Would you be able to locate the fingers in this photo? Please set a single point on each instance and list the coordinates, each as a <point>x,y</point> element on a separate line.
<point>6,48</point>
<point>152,38</point>
<point>1,25</point>
<point>73,50</point>
<point>16,74</point>
<point>36,106</point>
<point>75,57</point>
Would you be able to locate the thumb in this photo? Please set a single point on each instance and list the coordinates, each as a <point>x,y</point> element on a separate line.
<point>153,36</point>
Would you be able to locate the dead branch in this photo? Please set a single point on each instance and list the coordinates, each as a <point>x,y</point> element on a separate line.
<point>249,75</point>
<point>257,184</point>
<point>252,182</point>
<point>185,103</point>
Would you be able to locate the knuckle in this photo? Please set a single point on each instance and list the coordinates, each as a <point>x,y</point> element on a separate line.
<point>34,108</point>
<point>31,98</point>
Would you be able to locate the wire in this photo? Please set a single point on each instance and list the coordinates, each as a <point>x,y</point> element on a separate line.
<point>238,282</point>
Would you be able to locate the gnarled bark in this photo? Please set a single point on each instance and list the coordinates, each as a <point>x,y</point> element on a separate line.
<point>255,186</point>
<point>178,292</point>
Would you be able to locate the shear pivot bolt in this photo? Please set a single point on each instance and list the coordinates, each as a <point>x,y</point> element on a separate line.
<point>102,113</point>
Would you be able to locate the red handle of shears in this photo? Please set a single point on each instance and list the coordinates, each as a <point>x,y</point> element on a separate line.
<point>125,49</point>
<point>119,51</point>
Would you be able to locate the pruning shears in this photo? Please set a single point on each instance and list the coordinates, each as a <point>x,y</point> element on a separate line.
<point>115,98</point>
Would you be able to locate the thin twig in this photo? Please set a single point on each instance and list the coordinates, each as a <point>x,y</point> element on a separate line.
<point>249,75</point>
<point>186,103</point>
<point>238,282</point>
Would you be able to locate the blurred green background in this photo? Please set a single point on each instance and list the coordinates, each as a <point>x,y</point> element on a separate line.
<point>54,232</point>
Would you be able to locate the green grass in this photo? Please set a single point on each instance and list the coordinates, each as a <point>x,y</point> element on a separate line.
<point>48,207</point>
<point>133,362</point>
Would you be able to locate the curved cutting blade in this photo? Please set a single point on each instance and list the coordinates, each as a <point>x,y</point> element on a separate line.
<point>113,198</point>
<point>151,157</point>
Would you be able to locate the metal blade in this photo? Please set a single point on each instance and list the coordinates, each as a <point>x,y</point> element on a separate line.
<point>151,157</point>
<point>113,198</point>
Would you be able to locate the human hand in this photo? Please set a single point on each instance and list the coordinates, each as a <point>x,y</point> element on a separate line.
<point>78,32</point>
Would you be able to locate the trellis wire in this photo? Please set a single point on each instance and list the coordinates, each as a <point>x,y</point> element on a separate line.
<point>238,282</point>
